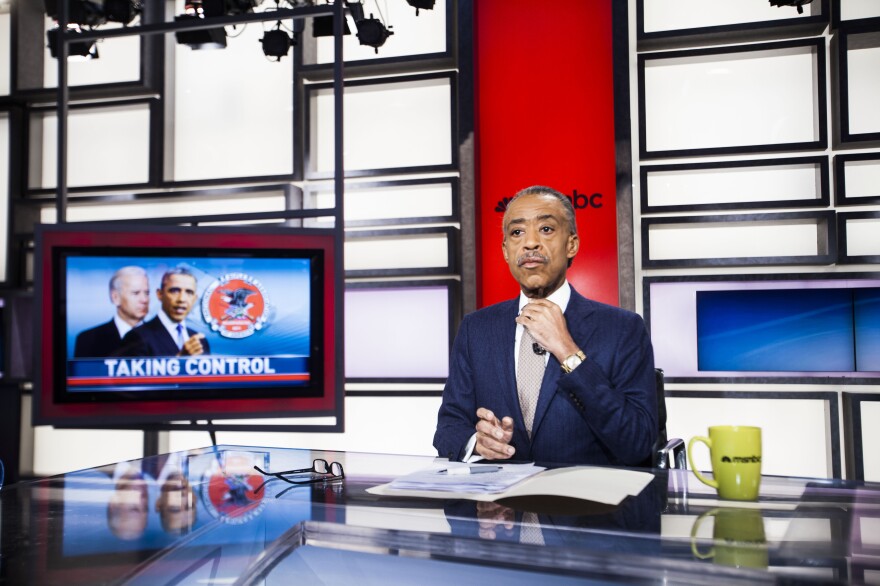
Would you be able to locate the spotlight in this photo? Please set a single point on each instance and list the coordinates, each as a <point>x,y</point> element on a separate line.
<point>277,43</point>
<point>798,3</point>
<point>86,49</point>
<point>421,4</point>
<point>81,12</point>
<point>122,11</point>
<point>322,26</point>
<point>372,32</point>
<point>206,38</point>
<point>211,38</point>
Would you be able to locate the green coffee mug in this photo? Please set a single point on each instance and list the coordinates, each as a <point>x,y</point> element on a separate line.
<point>735,451</point>
<point>739,538</point>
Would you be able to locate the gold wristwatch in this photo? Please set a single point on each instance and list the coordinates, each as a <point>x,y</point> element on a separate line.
<point>573,361</point>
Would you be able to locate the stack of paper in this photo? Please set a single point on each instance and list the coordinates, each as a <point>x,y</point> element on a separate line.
<point>473,478</point>
<point>602,485</point>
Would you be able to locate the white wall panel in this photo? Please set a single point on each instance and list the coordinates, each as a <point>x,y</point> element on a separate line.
<point>784,423</point>
<point>863,87</point>
<point>863,237</point>
<point>392,115</point>
<point>4,192</point>
<point>871,439</point>
<point>105,146</point>
<point>862,178</point>
<point>234,204</point>
<point>5,52</point>
<point>854,9</point>
<point>732,99</point>
<point>413,35</point>
<point>233,111</point>
<point>391,202</point>
<point>385,425</point>
<point>732,240</point>
<point>665,15</point>
<point>734,185</point>
<point>119,60</point>
<point>397,252</point>
<point>397,332</point>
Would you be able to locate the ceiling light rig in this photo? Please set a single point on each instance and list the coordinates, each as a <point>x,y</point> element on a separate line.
<point>277,42</point>
<point>87,14</point>
<point>421,5</point>
<point>798,3</point>
<point>371,31</point>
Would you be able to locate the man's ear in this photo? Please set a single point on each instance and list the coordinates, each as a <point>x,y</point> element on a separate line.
<point>504,249</point>
<point>574,245</point>
<point>115,298</point>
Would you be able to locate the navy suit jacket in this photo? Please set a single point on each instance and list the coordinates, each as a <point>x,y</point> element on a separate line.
<point>603,412</point>
<point>97,342</point>
<point>152,339</point>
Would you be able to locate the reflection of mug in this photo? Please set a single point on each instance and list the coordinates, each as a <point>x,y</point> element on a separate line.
<point>739,538</point>
<point>736,461</point>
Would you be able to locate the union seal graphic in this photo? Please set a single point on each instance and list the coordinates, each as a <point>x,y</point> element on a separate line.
<point>236,305</point>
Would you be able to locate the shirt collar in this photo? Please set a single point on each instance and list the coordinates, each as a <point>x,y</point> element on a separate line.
<point>122,326</point>
<point>169,324</point>
<point>560,297</point>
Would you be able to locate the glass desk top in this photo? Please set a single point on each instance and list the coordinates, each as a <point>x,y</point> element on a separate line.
<point>206,517</point>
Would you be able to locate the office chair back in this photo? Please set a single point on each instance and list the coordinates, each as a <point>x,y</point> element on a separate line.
<point>666,453</point>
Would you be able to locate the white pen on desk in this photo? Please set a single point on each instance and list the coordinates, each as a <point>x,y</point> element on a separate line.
<point>470,470</point>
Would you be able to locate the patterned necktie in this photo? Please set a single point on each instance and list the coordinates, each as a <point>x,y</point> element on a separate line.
<point>179,336</point>
<point>529,374</point>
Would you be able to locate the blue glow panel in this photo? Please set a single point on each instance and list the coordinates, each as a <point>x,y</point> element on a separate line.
<point>867,318</point>
<point>787,330</point>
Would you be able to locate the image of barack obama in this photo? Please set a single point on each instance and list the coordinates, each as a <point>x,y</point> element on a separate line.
<point>130,293</point>
<point>550,376</point>
<point>167,333</point>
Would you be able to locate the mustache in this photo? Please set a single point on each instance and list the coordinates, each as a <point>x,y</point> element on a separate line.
<point>530,257</point>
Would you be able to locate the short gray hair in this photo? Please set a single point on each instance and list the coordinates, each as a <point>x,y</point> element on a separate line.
<point>568,209</point>
<point>129,271</point>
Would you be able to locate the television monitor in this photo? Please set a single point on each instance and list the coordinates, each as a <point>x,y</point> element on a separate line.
<point>259,301</point>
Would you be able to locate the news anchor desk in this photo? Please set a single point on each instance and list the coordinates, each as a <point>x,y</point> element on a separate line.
<point>174,519</point>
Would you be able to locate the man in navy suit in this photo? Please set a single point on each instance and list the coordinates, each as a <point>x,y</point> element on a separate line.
<point>597,402</point>
<point>130,293</point>
<point>167,334</point>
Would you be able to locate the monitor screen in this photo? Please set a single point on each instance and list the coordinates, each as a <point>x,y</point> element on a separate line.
<point>163,324</point>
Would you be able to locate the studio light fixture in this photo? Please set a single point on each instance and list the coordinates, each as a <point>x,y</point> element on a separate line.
<point>123,11</point>
<point>81,12</point>
<point>798,3</point>
<point>276,42</point>
<point>421,5</point>
<point>372,32</point>
<point>84,49</point>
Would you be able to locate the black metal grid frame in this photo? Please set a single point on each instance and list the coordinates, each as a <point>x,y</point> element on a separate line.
<point>312,189</point>
<point>451,234</point>
<point>731,33</point>
<point>864,35</point>
<point>820,162</point>
<point>312,174</point>
<point>843,256</point>
<point>840,196</point>
<point>831,397</point>
<point>455,311</point>
<point>733,278</point>
<point>824,219</point>
<point>852,427</point>
<point>819,99</point>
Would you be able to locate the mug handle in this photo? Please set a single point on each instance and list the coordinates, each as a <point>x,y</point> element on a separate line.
<point>700,477</point>
<point>696,550</point>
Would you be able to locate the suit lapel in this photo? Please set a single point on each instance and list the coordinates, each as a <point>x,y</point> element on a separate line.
<point>508,373</point>
<point>578,309</point>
